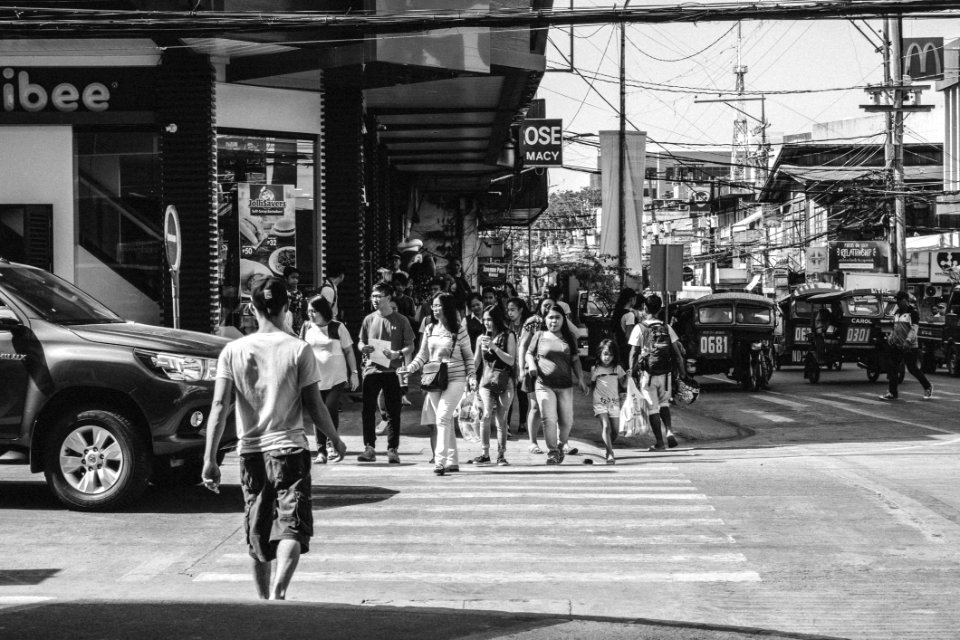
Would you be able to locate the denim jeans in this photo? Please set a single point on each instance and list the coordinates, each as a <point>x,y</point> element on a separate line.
<point>556,409</point>
<point>495,409</point>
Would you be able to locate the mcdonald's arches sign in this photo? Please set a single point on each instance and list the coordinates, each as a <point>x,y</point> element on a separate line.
<point>923,58</point>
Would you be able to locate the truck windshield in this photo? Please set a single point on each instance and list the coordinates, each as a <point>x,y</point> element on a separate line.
<point>53,299</point>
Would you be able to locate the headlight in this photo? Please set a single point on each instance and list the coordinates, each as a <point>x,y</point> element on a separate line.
<point>179,368</point>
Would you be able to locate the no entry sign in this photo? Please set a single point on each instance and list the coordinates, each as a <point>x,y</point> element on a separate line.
<point>541,143</point>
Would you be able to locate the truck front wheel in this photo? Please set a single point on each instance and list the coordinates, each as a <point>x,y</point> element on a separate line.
<point>96,461</point>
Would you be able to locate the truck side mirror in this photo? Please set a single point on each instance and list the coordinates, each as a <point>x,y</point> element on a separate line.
<point>9,323</point>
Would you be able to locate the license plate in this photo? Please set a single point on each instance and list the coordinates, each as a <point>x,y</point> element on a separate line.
<point>715,344</point>
<point>858,335</point>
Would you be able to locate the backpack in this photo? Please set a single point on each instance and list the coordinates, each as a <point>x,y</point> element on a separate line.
<point>656,354</point>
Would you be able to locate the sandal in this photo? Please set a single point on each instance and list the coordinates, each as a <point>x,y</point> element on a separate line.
<point>533,448</point>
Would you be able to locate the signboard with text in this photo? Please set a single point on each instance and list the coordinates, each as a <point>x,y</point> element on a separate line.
<point>541,142</point>
<point>268,231</point>
<point>869,255</point>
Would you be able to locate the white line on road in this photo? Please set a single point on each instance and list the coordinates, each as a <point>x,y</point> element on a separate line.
<point>489,577</point>
<point>504,536</point>
<point>470,495</point>
<point>495,525</point>
<point>873,414</point>
<point>321,557</point>
<point>772,417</point>
<point>582,510</point>
<point>786,403</point>
<point>151,568</point>
<point>853,398</point>
<point>21,601</point>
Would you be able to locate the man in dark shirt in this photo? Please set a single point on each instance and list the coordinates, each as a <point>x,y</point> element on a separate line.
<point>904,348</point>
<point>386,341</point>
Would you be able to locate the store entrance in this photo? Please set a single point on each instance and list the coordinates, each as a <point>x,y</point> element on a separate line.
<point>26,234</point>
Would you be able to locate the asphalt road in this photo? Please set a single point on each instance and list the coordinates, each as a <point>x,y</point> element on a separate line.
<point>806,510</point>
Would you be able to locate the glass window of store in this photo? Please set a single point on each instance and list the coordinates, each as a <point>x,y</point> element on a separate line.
<point>119,220</point>
<point>267,216</point>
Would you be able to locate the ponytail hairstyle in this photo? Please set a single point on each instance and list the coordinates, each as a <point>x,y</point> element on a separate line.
<point>270,297</point>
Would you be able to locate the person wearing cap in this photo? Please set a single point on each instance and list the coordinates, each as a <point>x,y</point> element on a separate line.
<point>904,347</point>
<point>274,377</point>
<point>291,278</point>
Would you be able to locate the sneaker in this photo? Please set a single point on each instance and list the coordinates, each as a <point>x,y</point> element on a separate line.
<point>484,459</point>
<point>331,449</point>
<point>321,458</point>
<point>928,393</point>
<point>887,396</point>
<point>657,447</point>
<point>369,455</point>
<point>561,455</point>
<point>454,468</point>
<point>611,459</point>
<point>671,441</point>
<point>553,457</point>
<point>439,470</point>
<point>502,461</point>
<point>392,456</point>
<point>383,426</point>
<point>570,451</point>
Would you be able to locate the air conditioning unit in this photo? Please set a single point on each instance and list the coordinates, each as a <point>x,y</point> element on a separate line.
<point>932,291</point>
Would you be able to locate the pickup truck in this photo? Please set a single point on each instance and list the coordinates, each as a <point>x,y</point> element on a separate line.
<point>100,405</point>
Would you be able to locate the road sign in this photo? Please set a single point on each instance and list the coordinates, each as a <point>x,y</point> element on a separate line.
<point>541,142</point>
<point>171,237</point>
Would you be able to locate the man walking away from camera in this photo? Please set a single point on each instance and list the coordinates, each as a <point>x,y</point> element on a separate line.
<point>904,348</point>
<point>275,377</point>
<point>654,356</point>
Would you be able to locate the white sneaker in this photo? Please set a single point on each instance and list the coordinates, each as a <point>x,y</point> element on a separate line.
<point>382,427</point>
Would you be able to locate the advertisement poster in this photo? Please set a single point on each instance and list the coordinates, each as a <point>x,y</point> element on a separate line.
<point>268,231</point>
<point>859,256</point>
<point>816,259</point>
<point>945,266</point>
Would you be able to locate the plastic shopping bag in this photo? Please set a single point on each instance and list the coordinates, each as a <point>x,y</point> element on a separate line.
<point>633,412</point>
<point>469,413</point>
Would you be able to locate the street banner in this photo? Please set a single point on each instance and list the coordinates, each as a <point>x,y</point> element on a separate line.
<point>945,266</point>
<point>635,153</point>
<point>666,267</point>
<point>268,231</point>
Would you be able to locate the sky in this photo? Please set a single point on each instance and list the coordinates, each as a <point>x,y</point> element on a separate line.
<point>828,59</point>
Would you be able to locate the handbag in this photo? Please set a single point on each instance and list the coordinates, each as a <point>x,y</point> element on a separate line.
<point>494,379</point>
<point>433,375</point>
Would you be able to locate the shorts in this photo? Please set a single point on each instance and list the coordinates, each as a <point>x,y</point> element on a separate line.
<point>655,391</point>
<point>277,495</point>
<point>609,406</point>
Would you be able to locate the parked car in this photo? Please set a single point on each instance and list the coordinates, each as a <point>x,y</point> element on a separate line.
<point>100,405</point>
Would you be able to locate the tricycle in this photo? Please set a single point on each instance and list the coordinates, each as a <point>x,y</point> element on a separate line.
<point>729,333</point>
<point>796,317</point>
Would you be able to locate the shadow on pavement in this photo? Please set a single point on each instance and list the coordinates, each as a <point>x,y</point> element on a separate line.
<point>109,620</point>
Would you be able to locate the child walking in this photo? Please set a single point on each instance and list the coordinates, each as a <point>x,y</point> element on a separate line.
<point>605,380</point>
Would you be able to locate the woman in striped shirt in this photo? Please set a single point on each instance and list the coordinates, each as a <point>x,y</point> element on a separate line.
<point>446,341</point>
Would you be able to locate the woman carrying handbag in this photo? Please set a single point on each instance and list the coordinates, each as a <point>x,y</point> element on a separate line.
<point>446,361</point>
<point>495,360</point>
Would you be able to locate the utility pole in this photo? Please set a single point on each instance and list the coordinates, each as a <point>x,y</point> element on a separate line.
<point>621,215</point>
<point>889,98</point>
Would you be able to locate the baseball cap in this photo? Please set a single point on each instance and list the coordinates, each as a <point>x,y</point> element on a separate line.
<point>270,295</point>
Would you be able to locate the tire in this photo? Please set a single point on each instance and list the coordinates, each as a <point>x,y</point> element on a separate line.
<point>747,378</point>
<point>95,460</point>
<point>873,374</point>
<point>757,375</point>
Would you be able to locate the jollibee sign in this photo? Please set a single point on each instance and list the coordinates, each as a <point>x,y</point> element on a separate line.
<point>67,90</point>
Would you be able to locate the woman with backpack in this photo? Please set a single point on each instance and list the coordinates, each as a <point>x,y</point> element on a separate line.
<point>495,360</point>
<point>445,341</point>
<point>333,349</point>
<point>552,354</point>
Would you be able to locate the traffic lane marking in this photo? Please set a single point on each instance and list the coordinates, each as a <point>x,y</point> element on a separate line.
<point>468,558</point>
<point>470,495</point>
<point>530,508</point>
<point>150,568</point>
<point>799,406</point>
<point>496,524</point>
<point>868,414</point>
<point>772,417</point>
<point>853,398</point>
<point>506,577</point>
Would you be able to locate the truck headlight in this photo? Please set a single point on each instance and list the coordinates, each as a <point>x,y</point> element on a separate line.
<point>179,368</point>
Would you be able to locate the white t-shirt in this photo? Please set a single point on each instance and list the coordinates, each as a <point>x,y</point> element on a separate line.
<point>329,353</point>
<point>268,371</point>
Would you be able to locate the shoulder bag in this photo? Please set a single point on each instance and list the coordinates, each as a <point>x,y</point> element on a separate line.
<point>497,380</point>
<point>433,375</point>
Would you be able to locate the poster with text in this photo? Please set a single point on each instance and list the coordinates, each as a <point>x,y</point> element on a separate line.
<point>268,231</point>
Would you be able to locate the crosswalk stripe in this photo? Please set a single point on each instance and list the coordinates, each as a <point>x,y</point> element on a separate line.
<point>471,495</point>
<point>503,490</point>
<point>427,479</point>
<point>484,557</point>
<point>507,577</point>
<point>505,536</point>
<point>853,398</point>
<point>780,401</point>
<point>581,510</point>
<point>772,417</point>
<point>935,397</point>
<point>479,527</point>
